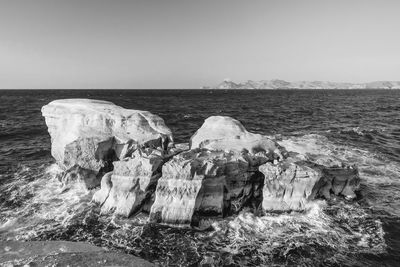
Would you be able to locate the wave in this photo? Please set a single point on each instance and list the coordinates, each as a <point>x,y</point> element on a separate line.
<point>303,238</point>
<point>362,132</point>
<point>21,134</point>
<point>34,197</point>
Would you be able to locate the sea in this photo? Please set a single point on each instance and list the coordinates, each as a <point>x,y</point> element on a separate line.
<point>361,127</point>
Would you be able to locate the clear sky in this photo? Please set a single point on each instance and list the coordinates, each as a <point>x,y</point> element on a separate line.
<point>190,43</point>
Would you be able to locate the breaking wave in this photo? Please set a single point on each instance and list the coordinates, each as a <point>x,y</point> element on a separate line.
<point>362,132</point>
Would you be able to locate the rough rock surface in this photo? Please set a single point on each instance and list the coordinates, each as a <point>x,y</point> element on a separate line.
<point>130,186</point>
<point>131,183</point>
<point>288,185</point>
<point>339,181</point>
<point>291,184</point>
<point>217,176</point>
<point>93,133</point>
<point>227,134</point>
<point>192,182</point>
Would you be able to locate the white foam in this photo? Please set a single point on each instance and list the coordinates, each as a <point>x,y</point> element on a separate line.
<point>373,168</point>
<point>271,233</point>
<point>44,202</point>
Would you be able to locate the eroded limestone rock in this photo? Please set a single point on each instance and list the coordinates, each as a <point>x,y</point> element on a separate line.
<point>92,134</point>
<point>227,134</point>
<point>339,181</point>
<point>192,184</point>
<point>201,183</point>
<point>291,184</point>
<point>131,183</point>
<point>288,185</point>
<point>70,119</point>
<point>219,175</point>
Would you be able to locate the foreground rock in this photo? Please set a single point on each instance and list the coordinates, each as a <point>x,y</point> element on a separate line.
<point>62,253</point>
<point>218,176</point>
<point>88,135</point>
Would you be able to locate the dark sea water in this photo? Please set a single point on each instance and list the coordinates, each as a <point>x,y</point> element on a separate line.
<point>361,127</point>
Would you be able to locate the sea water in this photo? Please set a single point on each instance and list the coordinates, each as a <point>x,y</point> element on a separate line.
<point>361,127</point>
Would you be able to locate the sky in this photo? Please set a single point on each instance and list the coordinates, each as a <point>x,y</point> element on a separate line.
<point>190,43</point>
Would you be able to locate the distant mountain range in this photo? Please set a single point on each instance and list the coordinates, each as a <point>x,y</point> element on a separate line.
<point>281,84</point>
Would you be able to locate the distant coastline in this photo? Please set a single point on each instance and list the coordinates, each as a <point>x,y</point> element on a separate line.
<point>282,84</point>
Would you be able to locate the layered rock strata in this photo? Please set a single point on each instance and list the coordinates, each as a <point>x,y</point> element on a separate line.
<point>201,183</point>
<point>192,183</point>
<point>91,134</point>
<point>219,175</point>
<point>291,184</point>
<point>227,134</point>
<point>130,187</point>
<point>131,183</point>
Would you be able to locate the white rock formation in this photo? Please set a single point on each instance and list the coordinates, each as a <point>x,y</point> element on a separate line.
<point>288,186</point>
<point>93,133</point>
<point>69,120</point>
<point>133,181</point>
<point>192,182</point>
<point>291,184</point>
<point>218,175</point>
<point>227,134</point>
